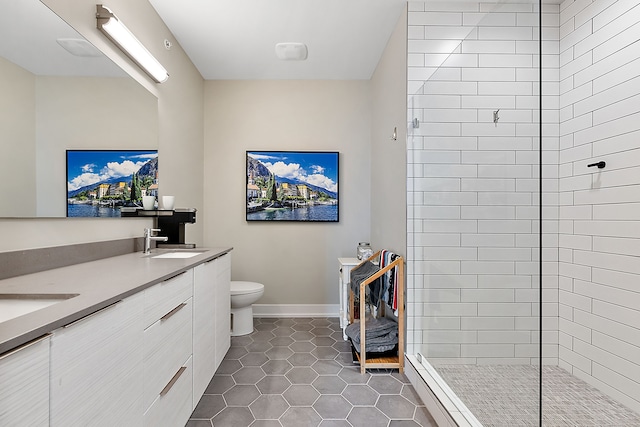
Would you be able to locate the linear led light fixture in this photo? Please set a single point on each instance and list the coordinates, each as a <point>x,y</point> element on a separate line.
<point>116,31</point>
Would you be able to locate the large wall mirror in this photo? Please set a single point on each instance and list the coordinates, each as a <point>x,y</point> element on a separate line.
<point>59,93</point>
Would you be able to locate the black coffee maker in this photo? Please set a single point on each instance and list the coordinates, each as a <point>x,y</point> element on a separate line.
<point>172,226</point>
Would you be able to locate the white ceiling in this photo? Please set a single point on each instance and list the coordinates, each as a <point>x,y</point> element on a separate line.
<point>29,30</point>
<point>235,39</point>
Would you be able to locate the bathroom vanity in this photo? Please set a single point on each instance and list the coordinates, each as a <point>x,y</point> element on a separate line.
<point>127,340</point>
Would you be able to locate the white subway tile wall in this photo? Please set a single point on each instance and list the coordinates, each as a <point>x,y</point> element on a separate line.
<point>473,184</point>
<point>473,260</point>
<point>599,299</point>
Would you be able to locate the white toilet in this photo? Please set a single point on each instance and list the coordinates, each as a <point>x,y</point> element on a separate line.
<point>243,294</point>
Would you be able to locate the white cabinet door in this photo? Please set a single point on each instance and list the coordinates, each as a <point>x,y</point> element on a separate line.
<point>211,320</point>
<point>24,390</point>
<point>223,308</point>
<point>96,368</point>
<point>204,322</point>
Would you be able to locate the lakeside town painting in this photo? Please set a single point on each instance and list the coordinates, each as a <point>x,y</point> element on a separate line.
<point>292,186</point>
<point>101,183</point>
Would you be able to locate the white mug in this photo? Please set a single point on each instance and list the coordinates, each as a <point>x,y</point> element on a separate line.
<point>167,202</point>
<point>148,202</point>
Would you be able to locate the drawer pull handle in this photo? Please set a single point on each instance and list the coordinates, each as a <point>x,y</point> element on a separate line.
<point>174,311</point>
<point>175,378</point>
<point>23,346</point>
<point>92,314</point>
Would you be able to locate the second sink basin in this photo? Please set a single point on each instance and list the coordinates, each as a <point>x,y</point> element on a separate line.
<point>14,305</point>
<point>177,255</point>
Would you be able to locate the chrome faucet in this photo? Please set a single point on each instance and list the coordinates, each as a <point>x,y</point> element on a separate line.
<point>148,237</point>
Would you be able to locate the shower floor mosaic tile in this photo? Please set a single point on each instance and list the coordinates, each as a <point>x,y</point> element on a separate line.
<point>300,373</point>
<point>505,395</point>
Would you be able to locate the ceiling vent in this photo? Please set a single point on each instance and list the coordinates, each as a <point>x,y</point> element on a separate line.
<point>79,47</point>
<point>291,51</point>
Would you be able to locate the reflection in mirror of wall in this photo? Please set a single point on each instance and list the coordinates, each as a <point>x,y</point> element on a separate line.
<point>54,100</point>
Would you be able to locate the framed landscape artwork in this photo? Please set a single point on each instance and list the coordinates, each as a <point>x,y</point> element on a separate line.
<point>100,183</point>
<point>292,186</point>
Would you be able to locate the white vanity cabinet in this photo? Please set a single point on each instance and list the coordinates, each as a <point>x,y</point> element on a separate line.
<point>24,390</point>
<point>96,368</point>
<point>168,335</point>
<point>211,320</point>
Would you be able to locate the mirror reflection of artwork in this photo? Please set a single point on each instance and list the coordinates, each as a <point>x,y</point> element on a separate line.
<point>292,186</point>
<point>100,183</point>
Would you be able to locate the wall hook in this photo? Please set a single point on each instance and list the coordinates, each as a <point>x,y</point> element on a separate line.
<point>394,136</point>
<point>416,123</point>
<point>496,117</point>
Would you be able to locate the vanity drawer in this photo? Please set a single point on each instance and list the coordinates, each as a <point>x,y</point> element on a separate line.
<point>167,344</point>
<point>173,405</point>
<point>163,297</point>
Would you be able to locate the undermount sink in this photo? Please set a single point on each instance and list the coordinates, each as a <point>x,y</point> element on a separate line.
<point>177,255</point>
<point>14,305</point>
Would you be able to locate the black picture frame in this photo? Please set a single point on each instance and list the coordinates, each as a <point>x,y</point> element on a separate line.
<point>292,186</point>
<point>100,182</point>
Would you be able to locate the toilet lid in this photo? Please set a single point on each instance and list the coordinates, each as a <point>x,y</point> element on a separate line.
<point>240,288</point>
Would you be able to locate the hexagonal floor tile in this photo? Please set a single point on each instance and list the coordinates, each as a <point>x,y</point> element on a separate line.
<point>321,321</point>
<point>281,353</point>
<point>301,395</point>
<point>249,375</point>
<point>254,359</point>
<point>302,346</point>
<point>209,406</point>
<point>233,417</point>
<point>281,341</point>
<point>276,367</point>
<point>322,332</point>
<point>262,336</point>
<point>265,326</point>
<point>241,341</point>
<point>352,375</point>
<point>273,385</point>
<point>301,375</point>
<point>385,384</point>
<point>300,416</point>
<point>323,341</point>
<point>302,336</point>
<point>269,407</point>
<point>360,395</point>
<point>285,322</point>
<point>283,331</point>
<point>329,384</point>
<point>219,384</point>
<point>303,327</point>
<point>326,353</point>
<point>327,367</point>
<point>241,395</point>
<point>302,359</point>
<point>332,406</point>
<point>258,346</point>
<point>235,353</point>
<point>365,416</point>
<point>396,407</point>
<point>228,367</point>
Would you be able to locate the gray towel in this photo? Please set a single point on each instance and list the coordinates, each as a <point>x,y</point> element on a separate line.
<point>381,334</point>
<point>362,272</point>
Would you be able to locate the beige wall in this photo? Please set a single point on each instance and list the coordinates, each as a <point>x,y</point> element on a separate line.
<point>180,102</point>
<point>122,115</point>
<point>18,98</point>
<point>388,157</point>
<point>297,262</point>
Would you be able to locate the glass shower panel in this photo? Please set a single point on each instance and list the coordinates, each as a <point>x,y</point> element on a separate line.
<point>474,206</point>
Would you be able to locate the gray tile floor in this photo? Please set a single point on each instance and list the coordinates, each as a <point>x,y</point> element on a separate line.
<point>300,373</point>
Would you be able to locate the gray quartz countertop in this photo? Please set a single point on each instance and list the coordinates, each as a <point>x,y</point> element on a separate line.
<point>97,284</point>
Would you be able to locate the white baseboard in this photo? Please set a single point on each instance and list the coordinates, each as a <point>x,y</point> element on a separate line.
<point>296,310</point>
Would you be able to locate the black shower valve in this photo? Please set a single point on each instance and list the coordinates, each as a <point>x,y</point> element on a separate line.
<point>601,164</point>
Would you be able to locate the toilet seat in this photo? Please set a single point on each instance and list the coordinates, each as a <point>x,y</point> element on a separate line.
<point>244,288</point>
